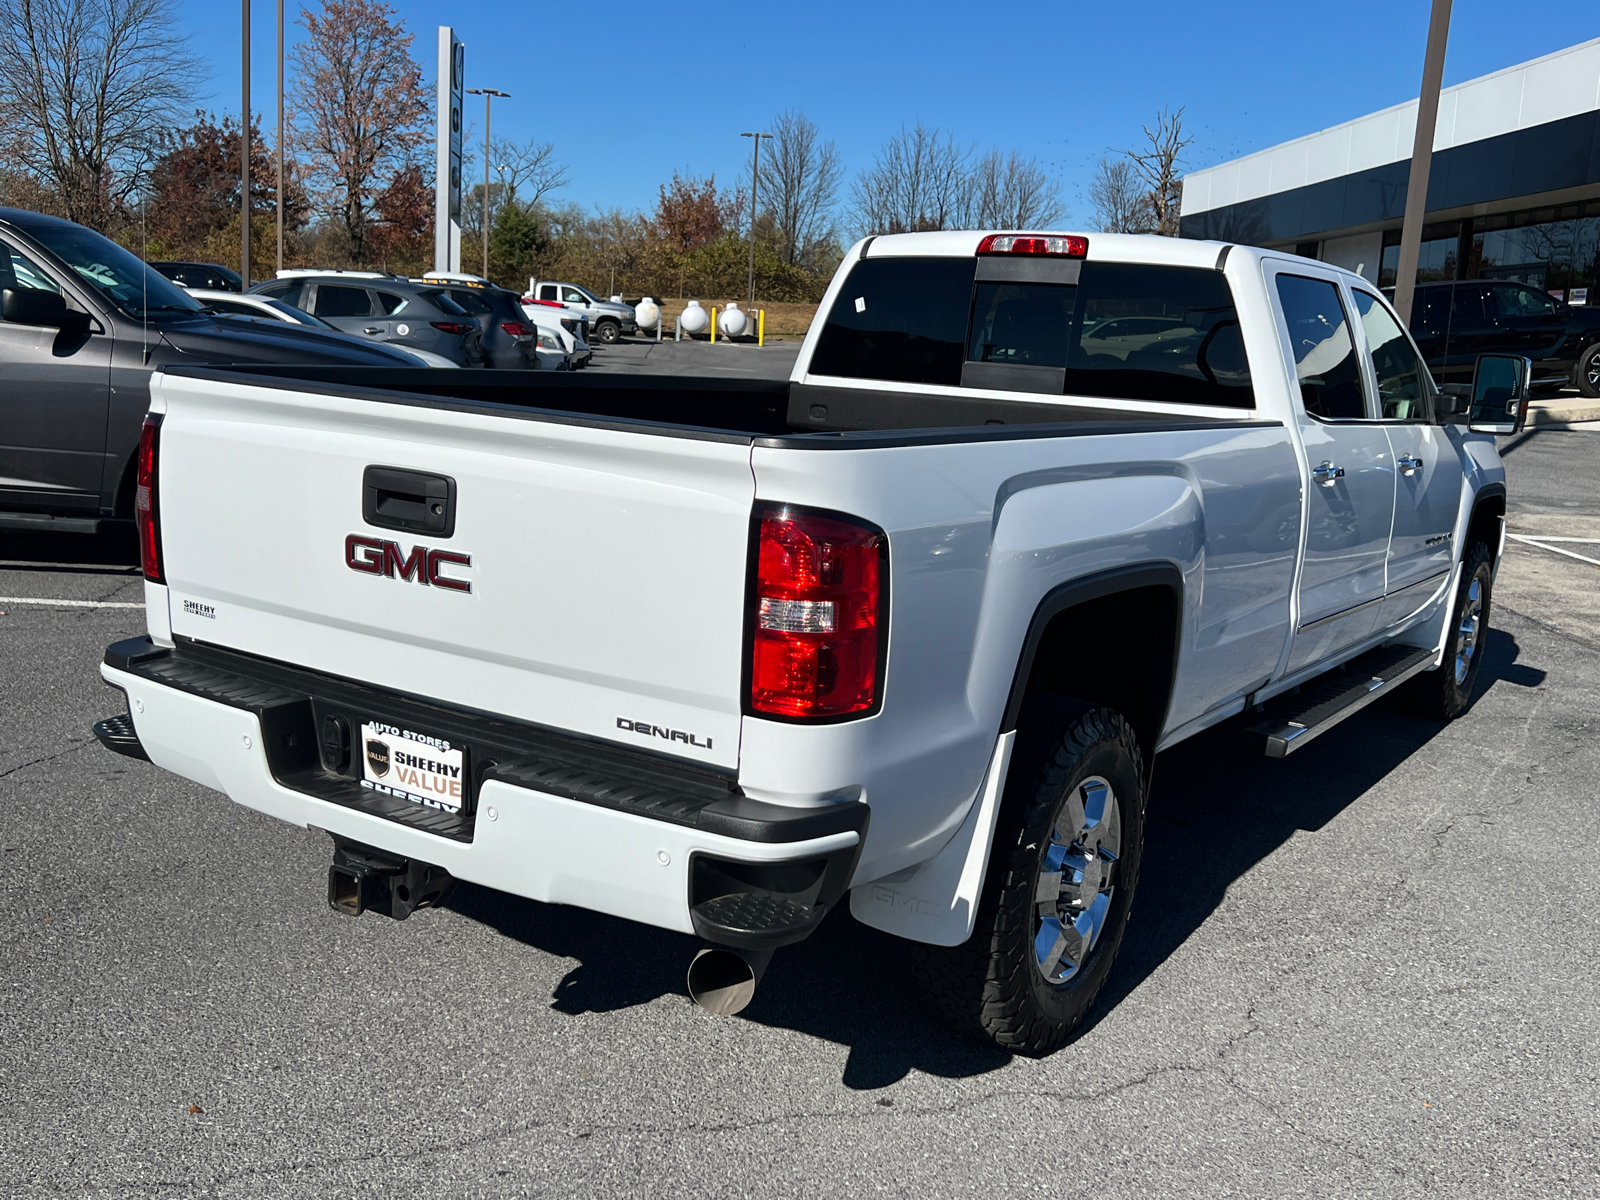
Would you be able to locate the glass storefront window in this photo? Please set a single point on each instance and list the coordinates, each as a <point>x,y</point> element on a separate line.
<point>1435,261</point>
<point>1553,250</point>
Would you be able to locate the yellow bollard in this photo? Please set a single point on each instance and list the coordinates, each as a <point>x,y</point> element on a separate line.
<point>761,327</point>
<point>713,324</point>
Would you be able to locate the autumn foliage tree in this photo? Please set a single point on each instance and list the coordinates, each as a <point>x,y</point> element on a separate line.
<point>401,234</point>
<point>193,192</point>
<point>360,107</point>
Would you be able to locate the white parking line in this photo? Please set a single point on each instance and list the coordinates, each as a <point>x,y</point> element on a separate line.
<point>1540,542</point>
<point>70,603</point>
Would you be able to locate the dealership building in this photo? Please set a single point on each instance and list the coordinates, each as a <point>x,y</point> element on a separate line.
<point>1514,190</point>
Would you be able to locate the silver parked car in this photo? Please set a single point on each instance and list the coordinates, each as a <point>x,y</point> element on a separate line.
<point>265,308</point>
<point>384,308</point>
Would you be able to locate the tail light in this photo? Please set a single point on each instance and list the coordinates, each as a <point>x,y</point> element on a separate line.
<point>546,303</point>
<point>453,327</point>
<point>1063,245</point>
<point>516,329</point>
<point>816,629</point>
<point>146,510</point>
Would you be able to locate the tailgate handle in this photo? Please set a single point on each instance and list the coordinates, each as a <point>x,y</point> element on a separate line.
<point>411,501</point>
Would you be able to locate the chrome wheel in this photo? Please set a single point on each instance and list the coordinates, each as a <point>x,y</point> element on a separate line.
<point>1076,880</point>
<point>1467,631</point>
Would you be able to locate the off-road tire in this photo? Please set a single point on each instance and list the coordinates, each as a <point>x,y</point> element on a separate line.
<point>607,333</point>
<point>1588,376</point>
<point>1443,694</point>
<point>991,986</point>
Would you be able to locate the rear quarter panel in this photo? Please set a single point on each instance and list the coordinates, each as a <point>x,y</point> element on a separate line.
<point>979,533</point>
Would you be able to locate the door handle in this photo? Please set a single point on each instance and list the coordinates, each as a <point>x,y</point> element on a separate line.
<point>1326,474</point>
<point>372,329</point>
<point>1408,464</point>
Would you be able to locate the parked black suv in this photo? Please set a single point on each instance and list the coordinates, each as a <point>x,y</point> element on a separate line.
<point>201,275</point>
<point>509,338</point>
<point>83,323</point>
<point>1455,322</point>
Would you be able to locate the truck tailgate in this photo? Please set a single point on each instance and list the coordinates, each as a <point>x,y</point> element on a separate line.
<point>607,566</point>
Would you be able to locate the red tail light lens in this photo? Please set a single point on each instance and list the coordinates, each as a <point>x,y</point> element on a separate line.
<point>146,513</point>
<point>1063,245</point>
<point>452,327</point>
<point>818,612</point>
<point>516,329</point>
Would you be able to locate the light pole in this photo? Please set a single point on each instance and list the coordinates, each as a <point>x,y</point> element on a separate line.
<point>244,149</point>
<point>280,135</point>
<point>487,94</point>
<point>755,175</point>
<point>1405,276</point>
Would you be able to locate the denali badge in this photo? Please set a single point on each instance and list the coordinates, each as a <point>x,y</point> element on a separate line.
<point>378,756</point>
<point>672,735</point>
<point>374,557</point>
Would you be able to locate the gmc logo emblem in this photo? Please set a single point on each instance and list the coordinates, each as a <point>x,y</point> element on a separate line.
<point>372,556</point>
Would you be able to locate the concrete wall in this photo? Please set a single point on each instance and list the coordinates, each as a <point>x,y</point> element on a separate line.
<point>1360,253</point>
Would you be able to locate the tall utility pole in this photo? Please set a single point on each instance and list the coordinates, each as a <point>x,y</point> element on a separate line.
<point>244,148</point>
<point>1405,277</point>
<point>280,135</point>
<point>755,176</point>
<point>487,94</point>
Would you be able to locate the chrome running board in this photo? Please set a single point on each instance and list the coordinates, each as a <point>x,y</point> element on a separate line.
<point>1297,720</point>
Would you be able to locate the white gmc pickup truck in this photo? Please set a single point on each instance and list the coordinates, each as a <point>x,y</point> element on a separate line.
<point>910,628</point>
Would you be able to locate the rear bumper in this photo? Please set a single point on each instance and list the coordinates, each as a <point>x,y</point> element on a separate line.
<point>644,844</point>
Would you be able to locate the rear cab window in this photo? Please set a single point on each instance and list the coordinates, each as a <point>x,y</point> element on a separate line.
<point>1101,329</point>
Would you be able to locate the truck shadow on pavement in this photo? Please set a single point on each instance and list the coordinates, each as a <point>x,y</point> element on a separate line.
<point>1217,809</point>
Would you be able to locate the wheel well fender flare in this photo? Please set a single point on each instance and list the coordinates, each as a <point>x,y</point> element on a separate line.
<point>1099,586</point>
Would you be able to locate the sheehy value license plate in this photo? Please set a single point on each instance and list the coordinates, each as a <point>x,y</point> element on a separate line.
<point>413,766</point>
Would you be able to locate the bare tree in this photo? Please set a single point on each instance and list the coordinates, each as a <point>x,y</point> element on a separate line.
<point>918,182</point>
<point>618,239</point>
<point>1158,169</point>
<point>1012,192</point>
<point>1121,204</point>
<point>359,104</point>
<point>87,88</point>
<point>801,183</point>
<point>528,169</point>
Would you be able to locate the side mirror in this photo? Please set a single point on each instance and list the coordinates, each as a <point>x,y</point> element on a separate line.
<point>33,306</point>
<point>1453,400</point>
<point>1501,388</point>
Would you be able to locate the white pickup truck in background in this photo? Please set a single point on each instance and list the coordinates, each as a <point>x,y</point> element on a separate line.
<point>608,319</point>
<point>908,630</point>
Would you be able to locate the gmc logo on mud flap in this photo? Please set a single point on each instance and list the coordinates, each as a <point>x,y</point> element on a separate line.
<point>894,899</point>
<point>372,556</point>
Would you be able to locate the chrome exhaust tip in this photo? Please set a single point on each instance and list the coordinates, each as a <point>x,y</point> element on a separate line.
<point>723,981</point>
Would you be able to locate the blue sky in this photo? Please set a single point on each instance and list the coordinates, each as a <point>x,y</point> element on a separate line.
<point>630,95</point>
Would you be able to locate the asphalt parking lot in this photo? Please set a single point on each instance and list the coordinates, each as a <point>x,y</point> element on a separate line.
<point>1368,970</point>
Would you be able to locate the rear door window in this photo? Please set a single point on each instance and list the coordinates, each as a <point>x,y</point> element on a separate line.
<point>390,303</point>
<point>336,301</point>
<point>899,319</point>
<point>547,291</point>
<point>471,301</point>
<point>289,293</point>
<point>1324,352</point>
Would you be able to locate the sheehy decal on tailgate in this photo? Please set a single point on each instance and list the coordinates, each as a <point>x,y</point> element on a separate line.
<point>412,766</point>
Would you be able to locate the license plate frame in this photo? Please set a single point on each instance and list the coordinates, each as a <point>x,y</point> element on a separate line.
<point>424,769</point>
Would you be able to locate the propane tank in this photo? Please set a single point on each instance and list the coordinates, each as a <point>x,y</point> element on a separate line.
<point>646,313</point>
<point>733,321</point>
<point>694,319</point>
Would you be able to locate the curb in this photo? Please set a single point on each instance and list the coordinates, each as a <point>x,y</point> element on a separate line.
<point>1563,412</point>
